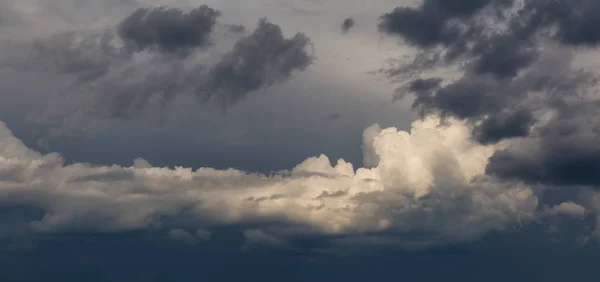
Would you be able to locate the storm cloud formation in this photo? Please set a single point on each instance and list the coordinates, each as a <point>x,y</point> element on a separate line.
<point>518,80</point>
<point>429,24</point>
<point>168,30</point>
<point>574,22</point>
<point>259,60</point>
<point>128,71</point>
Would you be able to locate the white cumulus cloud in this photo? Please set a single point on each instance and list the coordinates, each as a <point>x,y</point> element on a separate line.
<point>570,209</point>
<point>426,185</point>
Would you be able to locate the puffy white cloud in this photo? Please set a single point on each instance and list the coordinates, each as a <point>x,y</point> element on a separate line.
<point>427,185</point>
<point>570,209</point>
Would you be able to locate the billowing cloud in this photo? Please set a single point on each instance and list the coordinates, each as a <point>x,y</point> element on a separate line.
<point>517,80</point>
<point>423,188</point>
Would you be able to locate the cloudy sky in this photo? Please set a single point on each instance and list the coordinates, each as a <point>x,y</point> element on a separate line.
<point>299,140</point>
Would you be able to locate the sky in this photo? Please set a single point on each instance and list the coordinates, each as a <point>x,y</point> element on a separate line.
<point>299,140</point>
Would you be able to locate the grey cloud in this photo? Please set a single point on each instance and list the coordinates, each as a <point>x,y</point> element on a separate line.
<point>259,60</point>
<point>237,28</point>
<point>168,30</point>
<point>572,22</point>
<point>347,24</point>
<point>8,16</point>
<point>470,96</point>
<point>563,147</point>
<point>518,81</point>
<point>108,176</point>
<point>12,174</point>
<point>501,109</point>
<point>504,125</point>
<point>256,61</point>
<point>333,117</point>
<point>565,162</point>
<point>564,152</point>
<point>429,24</point>
<point>88,57</point>
<point>419,87</point>
<point>417,27</point>
<point>424,85</point>
<point>503,55</point>
<point>465,30</point>
<point>116,80</point>
<point>334,194</point>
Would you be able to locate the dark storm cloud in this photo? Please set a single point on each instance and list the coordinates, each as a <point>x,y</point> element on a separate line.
<point>566,151</point>
<point>115,79</point>
<point>424,85</point>
<point>259,60</point>
<point>429,24</point>
<point>470,96</point>
<point>513,85</point>
<point>566,161</point>
<point>168,30</point>
<point>507,125</point>
<point>236,28</point>
<point>502,55</point>
<point>347,24</point>
<point>573,22</point>
<point>465,31</point>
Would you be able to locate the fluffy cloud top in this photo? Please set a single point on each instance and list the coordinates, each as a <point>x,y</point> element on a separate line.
<point>429,182</point>
<point>516,80</point>
<point>569,208</point>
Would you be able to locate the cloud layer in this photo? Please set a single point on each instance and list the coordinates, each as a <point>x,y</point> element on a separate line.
<point>518,113</point>
<point>426,187</point>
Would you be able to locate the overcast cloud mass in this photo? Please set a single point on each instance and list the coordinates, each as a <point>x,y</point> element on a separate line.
<point>299,140</point>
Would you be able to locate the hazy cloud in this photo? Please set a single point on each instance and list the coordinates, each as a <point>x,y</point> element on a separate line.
<point>347,24</point>
<point>128,72</point>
